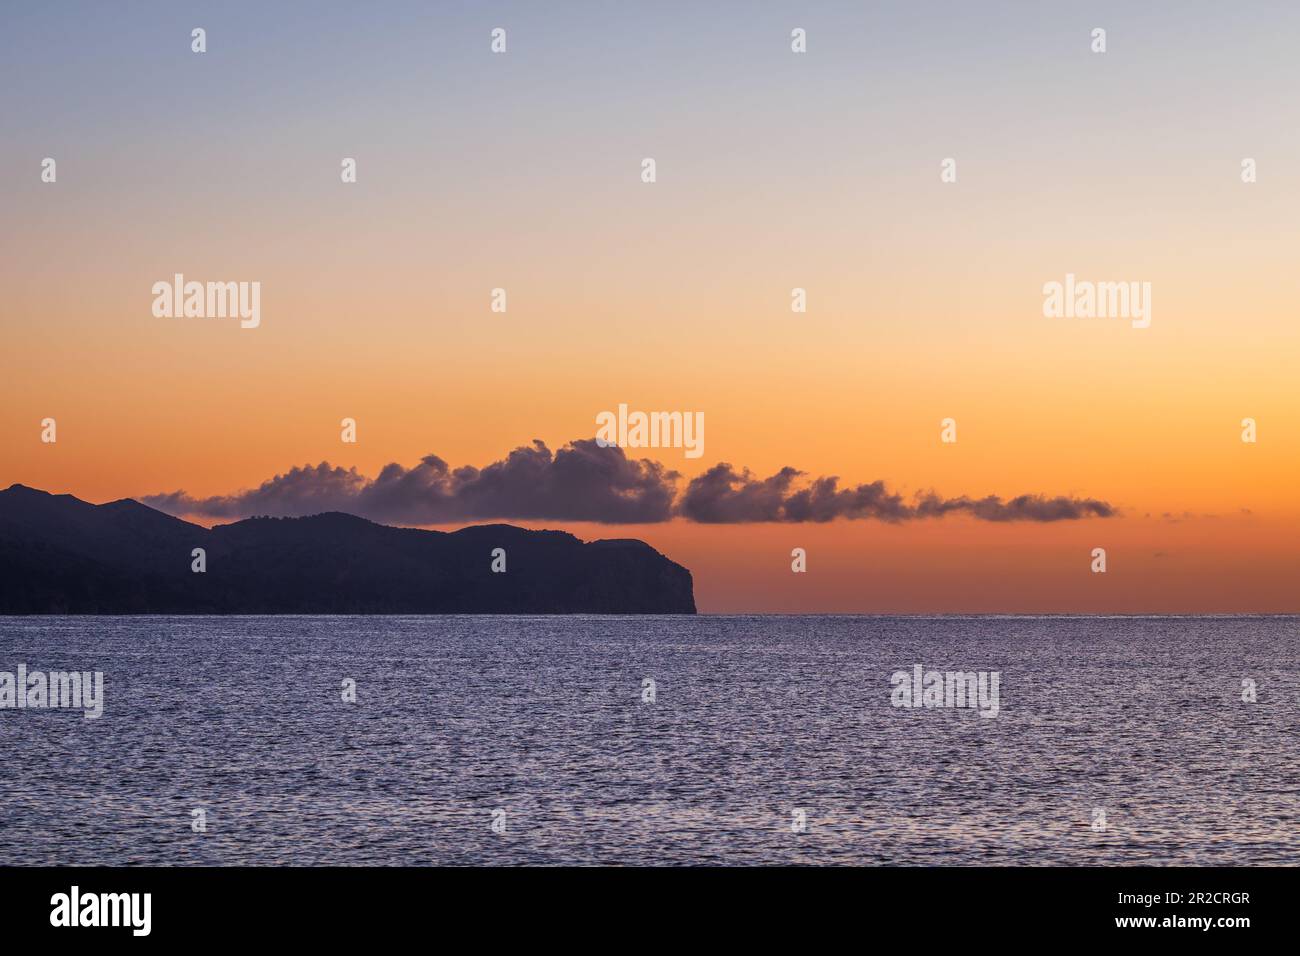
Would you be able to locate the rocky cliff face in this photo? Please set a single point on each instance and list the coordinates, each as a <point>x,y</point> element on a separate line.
<point>61,555</point>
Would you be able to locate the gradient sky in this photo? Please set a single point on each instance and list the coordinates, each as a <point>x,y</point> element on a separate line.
<point>775,170</point>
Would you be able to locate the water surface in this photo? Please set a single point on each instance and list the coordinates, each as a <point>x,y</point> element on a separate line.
<point>753,718</point>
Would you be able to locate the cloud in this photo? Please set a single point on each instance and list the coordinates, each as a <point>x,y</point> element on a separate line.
<point>723,496</point>
<point>1019,508</point>
<point>584,481</point>
<point>580,482</point>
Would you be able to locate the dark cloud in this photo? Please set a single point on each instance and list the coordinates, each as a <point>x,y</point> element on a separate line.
<point>723,496</point>
<point>580,482</point>
<point>584,481</point>
<point>1020,508</point>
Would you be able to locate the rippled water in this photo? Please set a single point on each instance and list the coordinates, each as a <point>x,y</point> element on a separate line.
<point>753,718</point>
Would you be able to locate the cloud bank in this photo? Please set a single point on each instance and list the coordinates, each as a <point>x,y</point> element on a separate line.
<point>722,496</point>
<point>584,481</point>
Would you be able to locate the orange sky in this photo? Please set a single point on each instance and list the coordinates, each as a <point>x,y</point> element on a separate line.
<point>925,298</point>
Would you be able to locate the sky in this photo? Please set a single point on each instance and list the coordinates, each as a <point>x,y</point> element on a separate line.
<point>774,171</point>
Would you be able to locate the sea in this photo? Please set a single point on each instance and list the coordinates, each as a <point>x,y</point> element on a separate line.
<point>650,741</point>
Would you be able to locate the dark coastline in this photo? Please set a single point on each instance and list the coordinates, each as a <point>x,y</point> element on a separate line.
<point>62,555</point>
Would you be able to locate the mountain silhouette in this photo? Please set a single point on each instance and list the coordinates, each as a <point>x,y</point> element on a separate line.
<point>62,555</point>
